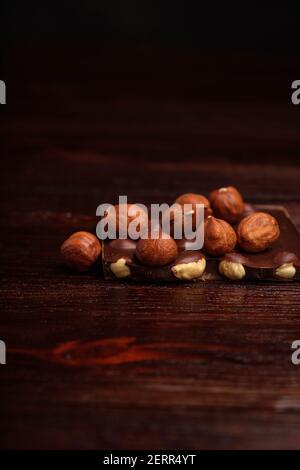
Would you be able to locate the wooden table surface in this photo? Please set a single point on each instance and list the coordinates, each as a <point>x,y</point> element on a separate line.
<point>94,364</point>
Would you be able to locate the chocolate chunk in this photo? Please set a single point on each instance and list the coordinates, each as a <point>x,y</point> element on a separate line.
<point>116,249</point>
<point>284,257</point>
<point>235,257</point>
<point>258,266</point>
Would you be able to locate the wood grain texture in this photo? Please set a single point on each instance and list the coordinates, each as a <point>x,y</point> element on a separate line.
<point>94,364</point>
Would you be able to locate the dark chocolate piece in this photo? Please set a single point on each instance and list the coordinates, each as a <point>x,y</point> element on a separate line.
<point>116,249</point>
<point>284,257</point>
<point>236,257</point>
<point>258,266</point>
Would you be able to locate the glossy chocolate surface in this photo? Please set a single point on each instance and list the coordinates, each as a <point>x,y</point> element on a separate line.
<point>258,266</point>
<point>116,249</point>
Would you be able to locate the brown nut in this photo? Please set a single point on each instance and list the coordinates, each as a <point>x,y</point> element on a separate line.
<point>227,204</point>
<point>219,237</point>
<point>191,198</point>
<point>257,232</point>
<point>157,252</point>
<point>126,213</point>
<point>80,251</point>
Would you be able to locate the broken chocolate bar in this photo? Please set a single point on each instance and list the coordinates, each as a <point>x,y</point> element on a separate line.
<point>281,262</point>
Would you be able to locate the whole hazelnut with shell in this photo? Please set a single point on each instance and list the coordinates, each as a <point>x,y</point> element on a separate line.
<point>80,251</point>
<point>227,204</point>
<point>156,251</point>
<point>219,237</point>
<point>257,232</point>
<point>192,198</point>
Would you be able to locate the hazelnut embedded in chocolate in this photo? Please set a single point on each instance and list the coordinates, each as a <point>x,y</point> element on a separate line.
<point>157,251</point>
<point>286,271</point>
<point>189,266</point>
<point>120,268</point>
<point>285,262</point>
<point>232,270</point>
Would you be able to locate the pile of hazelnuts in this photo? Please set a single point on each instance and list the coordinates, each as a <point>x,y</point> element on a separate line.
<point>229,222</point>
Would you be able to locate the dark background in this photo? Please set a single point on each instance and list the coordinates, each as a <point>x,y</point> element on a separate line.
<point>192,24</point>
<point>152,100</point>
<point>201,60</point>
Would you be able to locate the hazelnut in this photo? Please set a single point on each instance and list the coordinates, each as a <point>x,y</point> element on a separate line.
<point>157,252</point>
<point>257,232</point>
<point>191,198</point>
<point>286,271</point>
<point>233,271</point>
<point>189,271</point>
<point>80,251</point>
<point>227,204</point>
<point>219,237</point>
<point>124,218</point>
<point>120,268</point>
